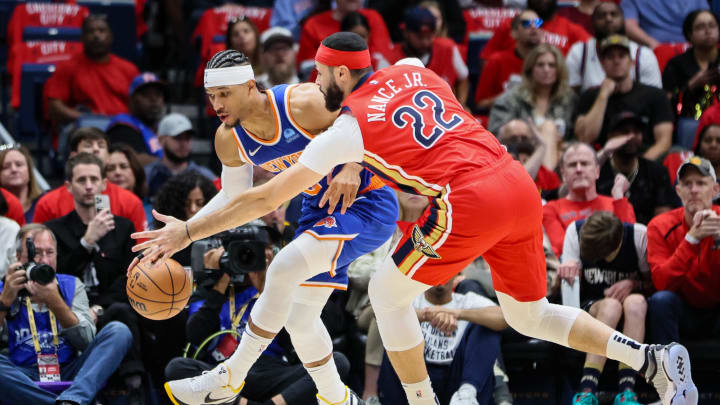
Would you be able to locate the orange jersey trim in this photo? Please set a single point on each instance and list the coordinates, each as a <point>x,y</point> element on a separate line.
<point>289,114</point>
<point>276,116</point>
<point>330,237</point>
<point>375,184</point>
<point>320,284</point>
<point>333,265</point>
<point>244,155</point>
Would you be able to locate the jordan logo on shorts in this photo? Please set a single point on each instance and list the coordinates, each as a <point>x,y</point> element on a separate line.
<point>421,244</point>
<point>327,222</point>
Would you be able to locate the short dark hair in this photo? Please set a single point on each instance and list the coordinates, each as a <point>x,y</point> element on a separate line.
<point>94,17</point>
<point>601,235</point>
<point>141,187</point>
<point>86,134</point>
<point>604,3</point>
<point>687,26</point>
<point>353,20</point>
<point>350,42</point>
<point>82,158</point>
<point>227,58</point>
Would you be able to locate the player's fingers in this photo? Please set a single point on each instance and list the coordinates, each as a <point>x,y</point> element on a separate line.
<point>145,245</point>
<point>161,217</point>
<point>146,235</point>
<point>348,200</point>
<point>332,202</point>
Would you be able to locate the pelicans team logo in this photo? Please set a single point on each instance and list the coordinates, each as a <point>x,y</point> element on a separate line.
<point>421,244</point>
<point>327,222</point>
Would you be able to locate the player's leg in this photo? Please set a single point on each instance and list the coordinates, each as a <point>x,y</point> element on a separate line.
<point>294,264</point>
<point>313,343</point>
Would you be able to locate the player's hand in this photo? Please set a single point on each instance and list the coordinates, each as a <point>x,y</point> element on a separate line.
<point>621,186</point>
<point>344,185</point>
<point>99,226</point>
<point>161,243</point>
<point>15,280</point>
<point>568,271</point>
<point>620,290</point>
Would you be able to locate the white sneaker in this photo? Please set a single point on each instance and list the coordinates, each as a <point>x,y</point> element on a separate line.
<point>351,398</point>
<point>465,395</point>
<point>669,372</point>
<point>211,387</point>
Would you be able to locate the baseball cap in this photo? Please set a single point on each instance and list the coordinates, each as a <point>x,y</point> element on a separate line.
<point>174,124</point>
<point>419,19</point>
<point>614,40</point>
<point>626,116</point>
<point>145,79</point>
<point>700,164</point>
<point>274,35</point>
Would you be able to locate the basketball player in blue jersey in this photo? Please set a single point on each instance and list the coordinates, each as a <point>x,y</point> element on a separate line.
<point>270,129</point>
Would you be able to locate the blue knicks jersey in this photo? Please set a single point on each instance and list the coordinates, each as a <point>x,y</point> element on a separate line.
<point>287,145</point>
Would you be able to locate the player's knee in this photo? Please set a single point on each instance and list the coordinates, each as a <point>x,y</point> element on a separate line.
<point>286,267</point>
<point>523,316</point>
<point>635,306</point>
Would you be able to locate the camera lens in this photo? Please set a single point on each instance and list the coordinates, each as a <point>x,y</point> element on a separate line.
<point>40,273</point>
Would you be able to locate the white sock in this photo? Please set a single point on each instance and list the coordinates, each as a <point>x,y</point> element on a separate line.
<point>420,393</point>
<point>250,348</point>
<point>327,380</point>
<point>626,350</point>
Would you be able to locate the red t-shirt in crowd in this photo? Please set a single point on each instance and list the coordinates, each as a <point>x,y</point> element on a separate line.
<point>547,179</point>
<point>574,15</point>
<point>15,209</point>
<point>558,214</point>
<point>101,87</point>
<point>319,26</point>
<point>502,69</point>
<point>559,32</point>
<point>123,203</point>
<point>441,58</point>
<point>679,266</point>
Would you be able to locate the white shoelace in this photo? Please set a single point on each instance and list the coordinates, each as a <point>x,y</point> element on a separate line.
<point>207,381</point>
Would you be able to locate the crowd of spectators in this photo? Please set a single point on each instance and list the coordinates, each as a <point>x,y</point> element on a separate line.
<point>610,105</point>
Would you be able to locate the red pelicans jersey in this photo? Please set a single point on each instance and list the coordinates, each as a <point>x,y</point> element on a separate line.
<point>415,133</point>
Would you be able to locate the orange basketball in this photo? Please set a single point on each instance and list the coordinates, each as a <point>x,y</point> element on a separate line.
<point>159,291</point>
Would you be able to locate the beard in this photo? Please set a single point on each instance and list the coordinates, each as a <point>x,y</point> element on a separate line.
<point>333,96</point>
<point>628,151</point>
<point>174,157</point>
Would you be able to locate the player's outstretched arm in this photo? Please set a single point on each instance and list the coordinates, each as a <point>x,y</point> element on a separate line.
<point>254,203</point>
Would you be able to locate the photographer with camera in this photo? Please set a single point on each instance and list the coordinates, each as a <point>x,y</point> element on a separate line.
<point>48,322</point>
<point>231,277</point>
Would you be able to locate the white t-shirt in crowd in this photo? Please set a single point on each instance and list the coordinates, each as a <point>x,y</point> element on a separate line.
<point>440,348</point>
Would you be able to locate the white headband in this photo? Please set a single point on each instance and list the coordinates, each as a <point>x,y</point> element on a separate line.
<point>228,76</point>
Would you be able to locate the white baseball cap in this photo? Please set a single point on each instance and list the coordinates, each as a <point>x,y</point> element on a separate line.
<point>174,124</point>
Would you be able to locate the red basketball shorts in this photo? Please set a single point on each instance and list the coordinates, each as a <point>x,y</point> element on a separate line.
<point>495,213</point>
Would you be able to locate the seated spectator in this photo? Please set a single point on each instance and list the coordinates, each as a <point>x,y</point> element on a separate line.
<point>359,24</point>
<point>453,27</point>
<point>137,128</point>
<point>542,96</point>
<point>441,55</point>
<point>441,29</point>
<point>649,193</point>
<point>503,70</point>
<point>691,79</point>
<point>93,246</point>
<point>8,230</point>
<point>581,14</point>
<point>17,175</point>
<point>181,197</point>
<point>124,170</point>
<point>224,305</point>
<point>94,81</point>
<point>652,22</point>
<point>59,202</point>
<point>535,148</point>
<point>278,58</point>
<point>59,312</point>
<point>583,62</point>
<point>461,345</point>
<point>579,170</point>
<point>289,14</point>
<point>707,143</point>
<point>557,31</point>
<point>617,93</point>
<point>611,260</point>
<point>15,209</point>
<point>174,133</point>
<point>320,25</point>
<point>684,258</point>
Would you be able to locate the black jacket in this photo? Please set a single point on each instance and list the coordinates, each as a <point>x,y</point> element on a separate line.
<point>110,262</point>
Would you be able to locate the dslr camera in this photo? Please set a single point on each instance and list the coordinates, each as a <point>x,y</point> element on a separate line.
<point>40,273</point>
<point>244,253</point>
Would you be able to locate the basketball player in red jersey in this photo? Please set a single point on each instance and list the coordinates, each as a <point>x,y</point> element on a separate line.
<point>404,122</point>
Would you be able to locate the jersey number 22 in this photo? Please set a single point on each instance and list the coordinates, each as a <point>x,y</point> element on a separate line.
<point>414,116</point>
